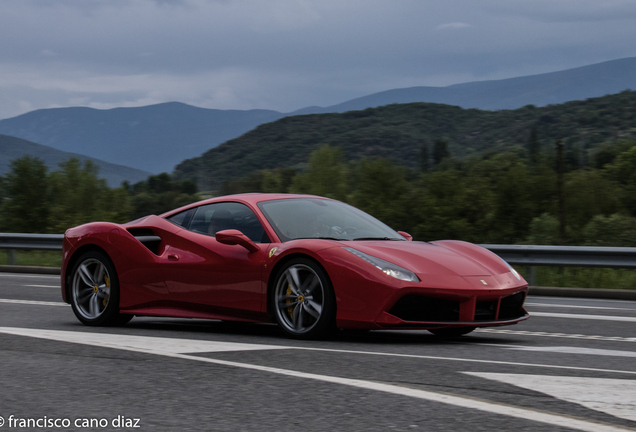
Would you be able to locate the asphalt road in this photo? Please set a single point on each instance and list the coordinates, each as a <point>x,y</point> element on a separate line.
<point>572,366</point>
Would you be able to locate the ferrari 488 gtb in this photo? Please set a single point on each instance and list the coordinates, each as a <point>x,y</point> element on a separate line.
<point>311,264</point>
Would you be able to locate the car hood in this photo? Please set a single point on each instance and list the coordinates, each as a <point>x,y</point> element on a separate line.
<point>441,258</point>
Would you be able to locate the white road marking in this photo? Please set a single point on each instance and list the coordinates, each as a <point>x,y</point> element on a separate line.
<point>588,317</point>
<point>616,397</point>
<point>581,300</point>
<point>576,306</point>
<point>22,275</point>
<point>497,362</point>
<point>153,345</point>
<point>567,350</point>
<point>173,347</point>
<point>557,335</point>
<point>43,286</point>
<point>33,302</point>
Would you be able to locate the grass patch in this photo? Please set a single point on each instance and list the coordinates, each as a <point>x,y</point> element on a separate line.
<point>583,277</point>
<point>33,258</point>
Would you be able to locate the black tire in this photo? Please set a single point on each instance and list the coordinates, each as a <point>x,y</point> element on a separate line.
<point>94,291</point>
<point>303,300</point>
<point>451,331</point>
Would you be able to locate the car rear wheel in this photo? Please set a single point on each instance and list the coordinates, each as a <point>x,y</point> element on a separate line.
<point>304,302</point>
<point>451,331</point>
<point>95,291</point>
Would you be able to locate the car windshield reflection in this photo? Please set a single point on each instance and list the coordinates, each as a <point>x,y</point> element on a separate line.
<point>304,218</point>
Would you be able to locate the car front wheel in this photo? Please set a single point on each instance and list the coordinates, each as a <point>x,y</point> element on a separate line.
<point>304,302</point>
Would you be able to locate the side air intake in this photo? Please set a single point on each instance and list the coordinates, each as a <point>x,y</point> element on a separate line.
<point>147,237</point>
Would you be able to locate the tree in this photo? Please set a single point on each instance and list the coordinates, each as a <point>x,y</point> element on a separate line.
<point>26,205</point>
<point>326,175</point>
<point>589,193</point>
<point>534,148</point>
<point>623,170</point>
<point>423,158</point>
<point>80,196</point>
<point>159,194</point>
<point>382,190</point>
<point>544,230</point>
<point>440,151</point>
<point>615,230</point>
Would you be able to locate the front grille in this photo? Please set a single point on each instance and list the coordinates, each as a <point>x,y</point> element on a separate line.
<point>414,307</point>
<point>485,311</point>
<point>512,306</point>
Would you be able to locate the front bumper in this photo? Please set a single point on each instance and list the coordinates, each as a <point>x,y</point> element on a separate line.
<point>421,310</point>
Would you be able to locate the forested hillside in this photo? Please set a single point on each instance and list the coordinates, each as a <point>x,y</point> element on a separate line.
<point>12,148</point>
<point>407,134</point>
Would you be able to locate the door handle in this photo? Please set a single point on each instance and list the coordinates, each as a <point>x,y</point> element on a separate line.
<point>173,257</point>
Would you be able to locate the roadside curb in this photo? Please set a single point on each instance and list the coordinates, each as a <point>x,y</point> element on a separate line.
<point>30,269</point>
<point>611,294</point>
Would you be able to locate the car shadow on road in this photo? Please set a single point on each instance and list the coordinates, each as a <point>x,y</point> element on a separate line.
<point>276,335</point>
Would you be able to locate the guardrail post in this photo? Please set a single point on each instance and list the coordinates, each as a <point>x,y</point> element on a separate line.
<point>532,275</point>
<point>11,256</point>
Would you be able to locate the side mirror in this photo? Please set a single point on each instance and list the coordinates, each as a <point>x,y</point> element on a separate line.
<point>406,235</point>
<point>235,237</point>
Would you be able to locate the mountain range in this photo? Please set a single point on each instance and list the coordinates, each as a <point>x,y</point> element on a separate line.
<point>401,132</point>
<point>156,138</point>
<point>12,148</point>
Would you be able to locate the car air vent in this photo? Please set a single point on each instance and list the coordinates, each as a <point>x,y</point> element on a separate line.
<point>148,238</point>
<point>512,306</point>
<point>485,311</point>
<point>413,307</point>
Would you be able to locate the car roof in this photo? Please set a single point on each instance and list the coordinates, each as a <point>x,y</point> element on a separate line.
<point>247,198</point>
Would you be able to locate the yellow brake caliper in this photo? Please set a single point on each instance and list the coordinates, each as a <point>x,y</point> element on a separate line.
<point>107,282</point>
<point>290,310</point>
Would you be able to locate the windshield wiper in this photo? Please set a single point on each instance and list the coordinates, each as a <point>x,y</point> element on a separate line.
<point>377,238</point>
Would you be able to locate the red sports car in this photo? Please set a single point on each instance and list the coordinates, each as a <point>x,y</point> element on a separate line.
<point>311,264</point>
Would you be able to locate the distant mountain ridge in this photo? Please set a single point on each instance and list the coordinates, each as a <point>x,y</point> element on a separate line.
<point>12,148</point>
<point>399,132</point>
<point>580,83</point>
<point>156,138</point>
<point>152,138</point>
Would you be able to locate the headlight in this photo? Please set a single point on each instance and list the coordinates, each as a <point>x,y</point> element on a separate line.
<point>389,268</point>
<point>513,271</point>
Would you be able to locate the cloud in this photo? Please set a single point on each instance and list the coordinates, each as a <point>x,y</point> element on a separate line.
<point>287,54</point>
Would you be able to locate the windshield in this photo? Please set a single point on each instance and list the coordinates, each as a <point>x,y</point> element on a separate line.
<point>297,218</point>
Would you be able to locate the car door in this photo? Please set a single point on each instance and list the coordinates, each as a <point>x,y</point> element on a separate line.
<point>203,275</point>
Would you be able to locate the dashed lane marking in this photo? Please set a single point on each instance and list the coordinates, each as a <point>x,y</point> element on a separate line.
<point>33,302</point>
<point>576,306</point>
<point>150,346</point>
<point>567,350</point>
<point>556,335</point>
<point>21,275</point>
<point>43,286</point>
<point>585,317</point>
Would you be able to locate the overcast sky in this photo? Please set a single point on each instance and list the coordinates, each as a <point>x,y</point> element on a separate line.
<point>287,54</point>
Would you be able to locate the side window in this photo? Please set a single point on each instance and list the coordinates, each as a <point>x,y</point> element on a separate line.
<point>212,218</point>
<point>182,218</point>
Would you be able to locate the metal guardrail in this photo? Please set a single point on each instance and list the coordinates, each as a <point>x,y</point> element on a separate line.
<point>564,256</point>
<point>15,241</point>
<point>528,255</point>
